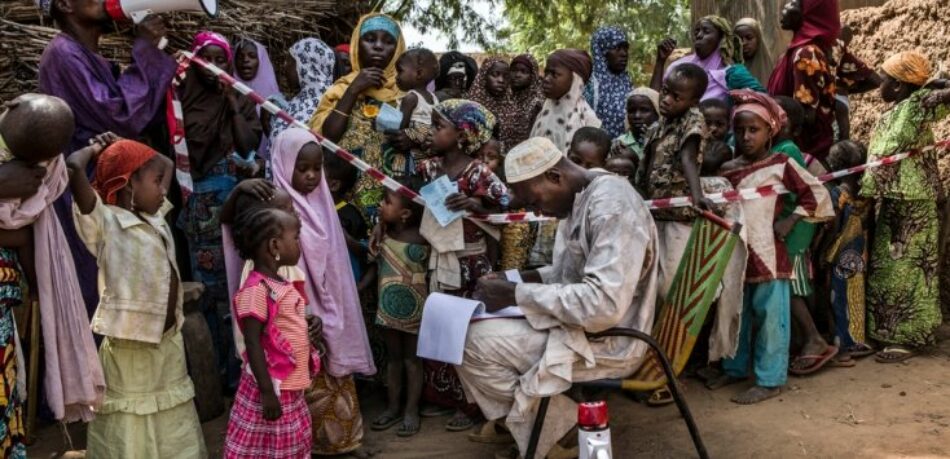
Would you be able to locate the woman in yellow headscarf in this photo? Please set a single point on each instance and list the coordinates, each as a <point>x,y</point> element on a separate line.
<point>903,290</point>
<point>348,109</point>
<point>346,116</point>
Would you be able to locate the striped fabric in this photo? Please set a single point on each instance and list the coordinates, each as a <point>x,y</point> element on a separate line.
<point>694,287</point>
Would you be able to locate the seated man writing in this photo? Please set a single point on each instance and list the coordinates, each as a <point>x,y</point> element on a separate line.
<point>604,275</point>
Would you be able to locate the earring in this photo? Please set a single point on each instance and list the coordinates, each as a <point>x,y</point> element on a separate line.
<point>277,257</point>
<point>133,200</point>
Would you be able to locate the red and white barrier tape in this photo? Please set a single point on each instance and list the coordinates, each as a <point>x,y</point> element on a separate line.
<point>392,184</point>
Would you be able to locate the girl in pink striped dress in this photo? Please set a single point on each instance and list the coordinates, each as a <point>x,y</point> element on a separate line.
<point>270,418</point>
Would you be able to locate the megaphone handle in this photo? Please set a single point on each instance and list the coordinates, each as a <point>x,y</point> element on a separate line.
<point>162,43</point>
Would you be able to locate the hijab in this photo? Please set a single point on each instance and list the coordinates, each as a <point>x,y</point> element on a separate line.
<point>389,92</point>
<point>576,60</point>
<point>649,93</point>
<point>760,66</point>
<point>528,100</point>
<point>315,61</point>
<point>265,82</point>
<point>474,122</point>
<point>207,112</point>
<point>716,64</point>
<point>453,59</point>
<point>115,167</point>
<point>503,107</point>
<point>908,67</point>
<point>761,105</point>
<point>821,26</point>
<point>331,291</point>
<point>609,90</point>
<point>560,119</point>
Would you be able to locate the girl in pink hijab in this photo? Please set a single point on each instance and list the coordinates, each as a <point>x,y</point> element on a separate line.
<point>297,160</point>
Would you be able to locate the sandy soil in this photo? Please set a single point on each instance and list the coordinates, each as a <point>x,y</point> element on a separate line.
<point>871,411</point>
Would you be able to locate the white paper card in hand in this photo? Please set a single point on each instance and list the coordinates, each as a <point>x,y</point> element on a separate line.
<point>388,119</point>
<point>435,193</point>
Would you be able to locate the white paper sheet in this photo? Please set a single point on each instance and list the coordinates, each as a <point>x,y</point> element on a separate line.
<point>445,321</point>
<point>388,119</point>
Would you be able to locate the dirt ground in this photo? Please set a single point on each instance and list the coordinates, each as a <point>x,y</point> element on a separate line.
<point>870,411</point>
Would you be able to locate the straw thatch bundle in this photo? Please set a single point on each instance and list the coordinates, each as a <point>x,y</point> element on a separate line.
<point>24,33</point>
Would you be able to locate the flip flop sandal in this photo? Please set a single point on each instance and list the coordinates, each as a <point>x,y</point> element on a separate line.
<point>459,423</point>
<point>900,354</point>
<point>819,362</point>
<point>660,397</point>
<point>384,422</point>
<point>491,433</point>
<point>861,350</point>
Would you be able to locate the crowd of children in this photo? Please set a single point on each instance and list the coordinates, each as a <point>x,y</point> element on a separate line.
<point>316,275</point>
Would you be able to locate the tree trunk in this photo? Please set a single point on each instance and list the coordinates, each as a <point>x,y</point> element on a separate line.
<point>767,12</point>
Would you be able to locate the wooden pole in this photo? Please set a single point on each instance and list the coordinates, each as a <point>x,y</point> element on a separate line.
<point>33,372</point>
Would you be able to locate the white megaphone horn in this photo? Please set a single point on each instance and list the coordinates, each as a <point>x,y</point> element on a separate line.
<point>137,10</point>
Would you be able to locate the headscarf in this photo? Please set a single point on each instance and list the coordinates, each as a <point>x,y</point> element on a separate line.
<point>608,90</point>
<point>389,92</point>
<point>560,119</point>
<point>644,91</point>
<point>474,121</point>
<point>315,62</point>
<point>576,60</point>
<point>207,38</point>
<point>331,291</point>
<point>116,165</point>
<point>908,67</point>
<point>760,66</point>
<point>526,100</point>
<point>716,63</point>
<point>205,112</point>
<point>265,82</point>
<point>503,107</point>
<point>450,60</point>
<point>342,48</point>
<point>760,105</point>
<point>821,26</point>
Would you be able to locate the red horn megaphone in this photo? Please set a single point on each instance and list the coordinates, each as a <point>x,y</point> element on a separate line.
<point>137,10</point>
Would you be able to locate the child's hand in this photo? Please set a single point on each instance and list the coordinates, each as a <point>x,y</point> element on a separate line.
<point>101,141</point>
<point>664,49</point>
<point>259,188</point>
<point>936,98</point>
<point>376,238</point>
<point>705,203</point>
<point>459,202</point>
<point>784,226</point>
<point>271,406</point>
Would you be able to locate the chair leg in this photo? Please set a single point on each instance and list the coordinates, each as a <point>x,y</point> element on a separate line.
<point>536,430</point>
<point>671,383</point>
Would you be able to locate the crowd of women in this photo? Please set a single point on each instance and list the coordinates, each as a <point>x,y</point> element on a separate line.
<point>268,222</point>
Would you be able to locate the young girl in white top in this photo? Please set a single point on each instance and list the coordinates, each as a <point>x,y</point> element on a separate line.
<point>416,69</point>
<point>148,409</point>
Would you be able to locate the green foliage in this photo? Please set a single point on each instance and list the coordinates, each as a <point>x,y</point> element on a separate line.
<point>541,26</point>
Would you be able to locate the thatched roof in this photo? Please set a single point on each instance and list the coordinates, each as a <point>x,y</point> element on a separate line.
<point>24,33</point>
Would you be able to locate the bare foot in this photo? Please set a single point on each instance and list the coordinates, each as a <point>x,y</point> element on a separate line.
<point>410,425</point>
<point>756,394</point>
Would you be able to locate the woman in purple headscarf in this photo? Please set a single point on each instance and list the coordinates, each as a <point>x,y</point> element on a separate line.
<point>253,67</point>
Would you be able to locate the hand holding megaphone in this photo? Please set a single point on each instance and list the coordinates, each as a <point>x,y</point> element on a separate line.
<point>153,29</point>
